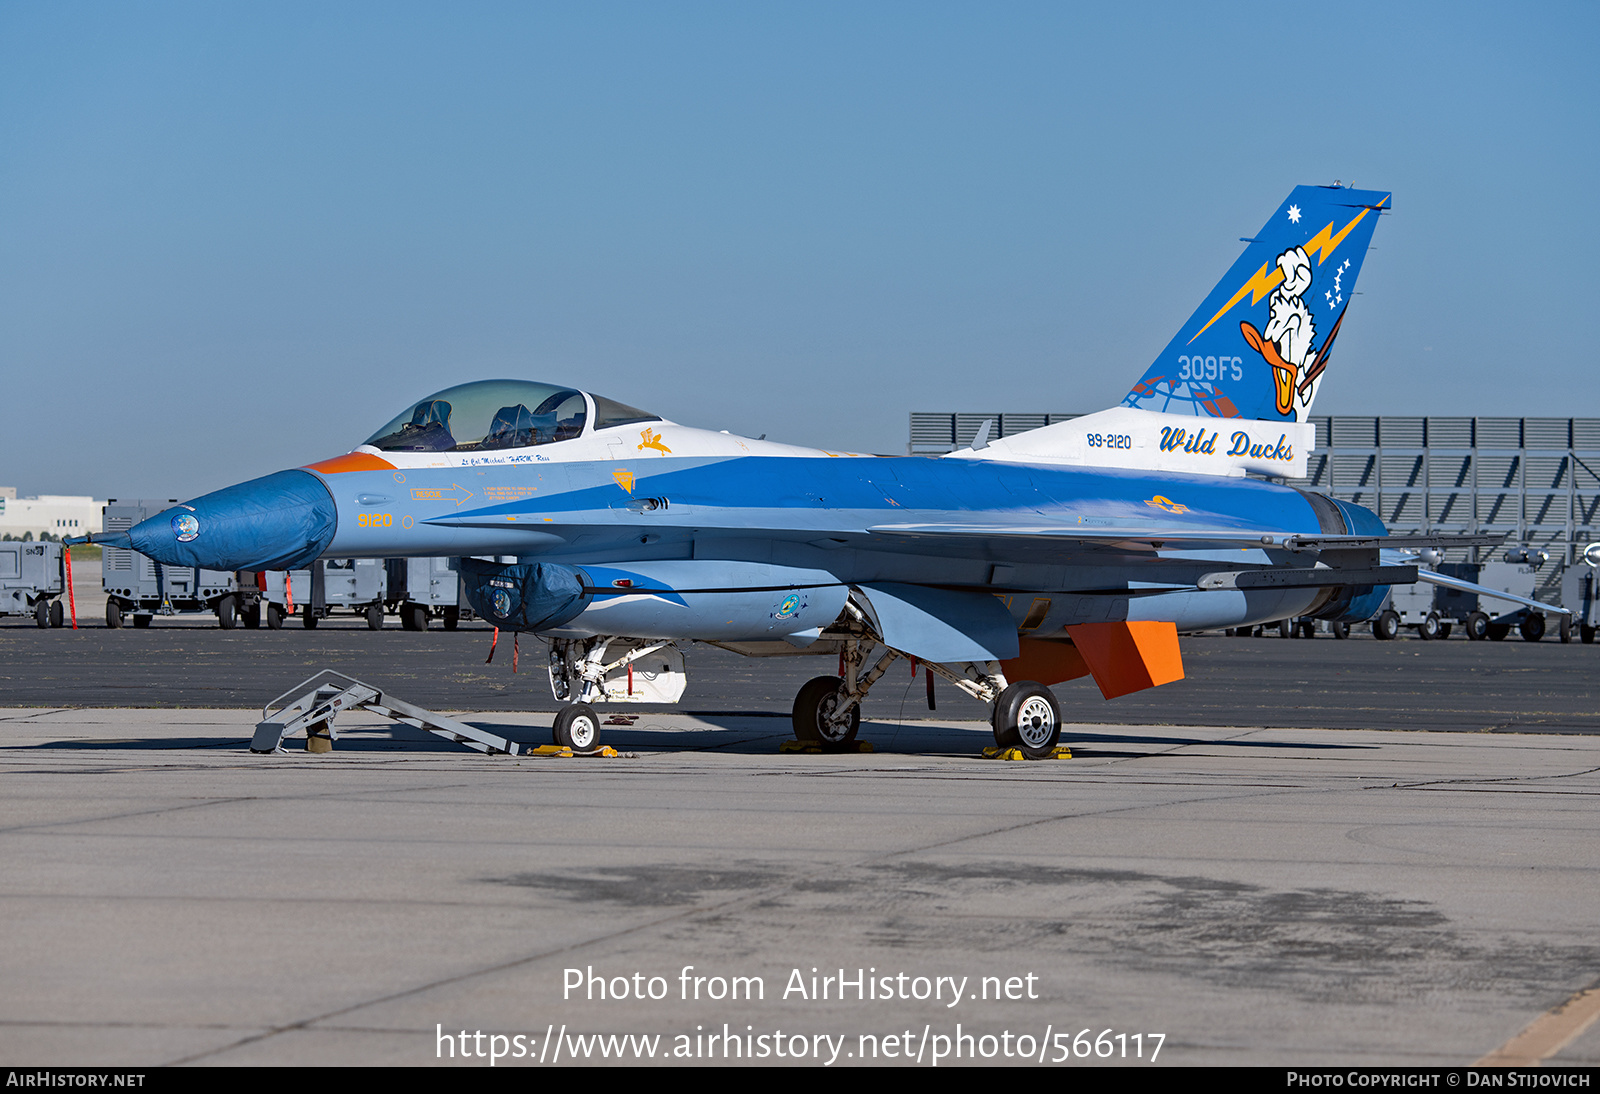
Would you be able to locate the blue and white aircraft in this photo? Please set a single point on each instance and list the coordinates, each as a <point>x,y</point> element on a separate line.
<point>1081,548</point>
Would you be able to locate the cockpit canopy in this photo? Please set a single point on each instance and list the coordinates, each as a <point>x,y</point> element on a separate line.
<point>497,414</point>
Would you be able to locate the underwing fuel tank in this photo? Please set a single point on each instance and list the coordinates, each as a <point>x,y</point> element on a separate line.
<point>705,601</point>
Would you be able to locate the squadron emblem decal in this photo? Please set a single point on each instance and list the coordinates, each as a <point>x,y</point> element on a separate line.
<point>652,439</point>
<point>792,606</point>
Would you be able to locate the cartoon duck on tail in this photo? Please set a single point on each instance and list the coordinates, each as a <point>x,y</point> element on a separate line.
<point>1286,343</point>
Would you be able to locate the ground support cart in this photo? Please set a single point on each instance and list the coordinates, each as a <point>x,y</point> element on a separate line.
<point>422,589</point>
<point>353,584</point>
<point>1580,593</point>
<point>32,576</point>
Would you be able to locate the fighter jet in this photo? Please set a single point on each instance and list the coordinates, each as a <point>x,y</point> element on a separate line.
<point>1082,548</point>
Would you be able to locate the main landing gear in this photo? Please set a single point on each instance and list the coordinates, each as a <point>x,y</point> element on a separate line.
<point>827,711</point>
<point>1027,717</point>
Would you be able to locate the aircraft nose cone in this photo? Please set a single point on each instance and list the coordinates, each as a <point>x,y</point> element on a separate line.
<point>280,522</point>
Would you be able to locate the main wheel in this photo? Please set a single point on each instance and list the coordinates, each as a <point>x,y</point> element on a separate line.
<point>1586,634</point>
<point>452,617</point>
<point>577,727</point>
<point>141,621</point>
<point>1285,628</point>
<point>309,618</point>
<point>1477,626</point>
<point>251,614</point>
<point>1340,629</point>
<point>1027,716</point>
<point>1444,629</point>
<point>41,613</point>
<point>1566,630</point>
<point>1428,629</point>
<point>1386,626</point>
<point>1305,629</point>
<point>274,617</point>
<point>113,614</point>
<point>225,613</point>
<point>816,714</point>
<point>1532,627</point>
<point>57,617</point>
<point>374,617</point>
<point>1498,631</point>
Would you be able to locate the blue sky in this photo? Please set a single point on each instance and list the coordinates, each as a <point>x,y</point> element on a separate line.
<point>235,238</point>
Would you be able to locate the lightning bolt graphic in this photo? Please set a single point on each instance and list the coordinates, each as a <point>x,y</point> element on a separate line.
<point>1262,282</point>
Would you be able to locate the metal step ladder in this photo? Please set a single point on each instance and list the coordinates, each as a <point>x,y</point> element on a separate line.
<point>321,698</point>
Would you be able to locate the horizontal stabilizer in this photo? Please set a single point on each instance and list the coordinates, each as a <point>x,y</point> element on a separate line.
<point>1434,578</point>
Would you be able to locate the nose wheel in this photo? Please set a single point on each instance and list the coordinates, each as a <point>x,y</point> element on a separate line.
<point>577,727</point>
<point>1027,717</point>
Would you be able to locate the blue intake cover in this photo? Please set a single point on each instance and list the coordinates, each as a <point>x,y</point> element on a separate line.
<point>523,596</point>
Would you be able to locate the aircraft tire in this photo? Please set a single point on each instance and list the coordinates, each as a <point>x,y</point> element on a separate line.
<point>1477,626</point>
<point>1445,629</point>
<point>142,621</point>
<point>374,617</point>
<point>113,614</point>
<point>1285,628</point>
<point>1340,629</point>
<point>1027,717</point>
<point>251,614</point>
<point>274,618</point>
<point>226,616</point>
<point>1566,630</point>
<point>309,618</point>
<point>1386,626</point>
<point>1586,634</point>
<point>577,727</point>
<point>1305,629</point>
<point>813,716</point>
<point>1532,627</point>
<point>452,618</point>
<point>56,616</point>
<point>1498,631</point>
<point>41,613</point>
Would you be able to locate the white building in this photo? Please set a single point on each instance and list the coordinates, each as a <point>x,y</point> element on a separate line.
<point>56,514</point>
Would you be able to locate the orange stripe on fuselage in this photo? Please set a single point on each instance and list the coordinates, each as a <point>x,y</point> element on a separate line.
<point>351,461</point>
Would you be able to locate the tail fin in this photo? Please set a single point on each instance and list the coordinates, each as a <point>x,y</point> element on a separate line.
<point>1257,347</point>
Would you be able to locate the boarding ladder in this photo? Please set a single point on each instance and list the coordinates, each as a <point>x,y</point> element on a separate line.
<point>324,696</point>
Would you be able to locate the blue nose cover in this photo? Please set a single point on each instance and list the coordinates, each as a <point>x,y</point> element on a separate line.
<point>280,522</point>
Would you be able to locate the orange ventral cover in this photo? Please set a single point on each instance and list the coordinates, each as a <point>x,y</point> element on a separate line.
<point>1045,662</point>
<point>351,461</point>
<point>1129,657</point>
